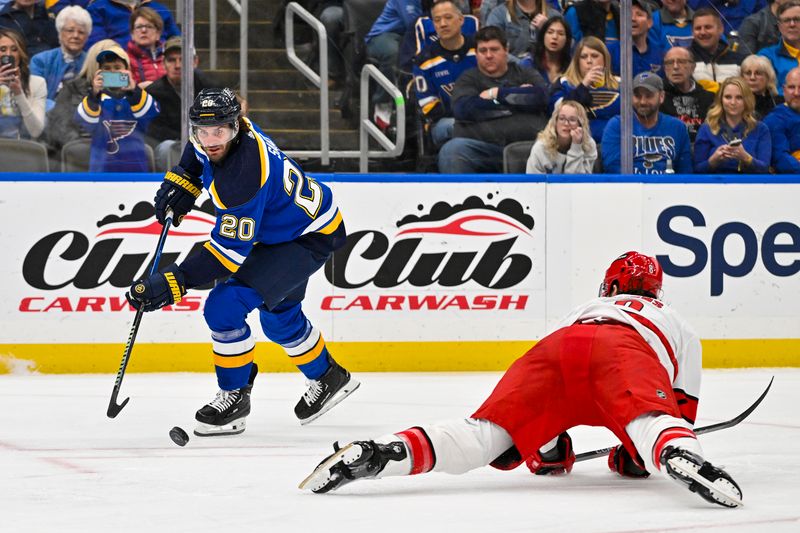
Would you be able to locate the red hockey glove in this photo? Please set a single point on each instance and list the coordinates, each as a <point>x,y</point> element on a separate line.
<point>621,462</point>
<point>557,461</point>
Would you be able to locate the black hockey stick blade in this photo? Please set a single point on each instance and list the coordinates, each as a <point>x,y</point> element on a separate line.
<point>113,407</point>
<point>585,456</point>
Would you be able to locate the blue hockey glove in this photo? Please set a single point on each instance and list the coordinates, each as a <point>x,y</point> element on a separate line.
<point>621,462</point>
<point>177,193</point>
<point>157,290</point>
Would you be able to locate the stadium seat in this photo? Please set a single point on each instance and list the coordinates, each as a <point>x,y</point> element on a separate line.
<point>23,156</point>
<point>75,156</point>
<point>515,157</point>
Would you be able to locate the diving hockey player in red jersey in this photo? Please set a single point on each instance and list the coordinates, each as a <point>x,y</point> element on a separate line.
<point>625,361</point>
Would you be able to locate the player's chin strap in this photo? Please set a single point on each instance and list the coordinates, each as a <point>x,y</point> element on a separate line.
<point>585,456</point>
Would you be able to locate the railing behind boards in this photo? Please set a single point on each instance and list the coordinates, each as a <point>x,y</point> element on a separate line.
<point>367,128</point>
<point>242,9</point>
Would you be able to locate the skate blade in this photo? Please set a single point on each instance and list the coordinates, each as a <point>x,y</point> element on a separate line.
<point>719,493</point>
<point>207,430</point>
<point>340,395</point>
<point>321,474</point>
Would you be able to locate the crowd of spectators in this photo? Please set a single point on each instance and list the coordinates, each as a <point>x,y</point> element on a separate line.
<point>104,72</point>
<point>708,92</point>
<point>716,86</point>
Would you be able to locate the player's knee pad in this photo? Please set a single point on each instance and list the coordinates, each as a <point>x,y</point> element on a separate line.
<point>228,305</point>
<point>284,324</point>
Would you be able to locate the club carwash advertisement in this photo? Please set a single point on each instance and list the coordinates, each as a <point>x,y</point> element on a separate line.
<point>428,262</point>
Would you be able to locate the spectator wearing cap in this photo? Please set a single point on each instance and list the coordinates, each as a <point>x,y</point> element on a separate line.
<point>783,55</point>
<point>111,19</point>
<point>647,48</point>
<point>715,59</point>
<point>684,98</point>
<point>146,49</point>
<point>61,129</point>
<point>660,142</point>
<point>165,129</point>
<point>732,140</point>
<point>30,19</point>
<point>116,117</point>
<point>59,65</point>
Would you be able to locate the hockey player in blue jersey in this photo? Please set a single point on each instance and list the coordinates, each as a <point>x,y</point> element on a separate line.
<point>275,227</point>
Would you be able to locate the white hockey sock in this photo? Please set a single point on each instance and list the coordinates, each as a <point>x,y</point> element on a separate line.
<point>651,433</point>
<point>454,447</point>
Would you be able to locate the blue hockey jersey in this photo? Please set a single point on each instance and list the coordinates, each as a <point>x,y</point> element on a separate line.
<point>435,73</point>
<point>260,195</point>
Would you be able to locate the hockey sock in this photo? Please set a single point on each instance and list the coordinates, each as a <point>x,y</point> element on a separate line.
<point>655,430</point>
<point>420,452</point>
<point>233,357</point>
<point>309,352</point>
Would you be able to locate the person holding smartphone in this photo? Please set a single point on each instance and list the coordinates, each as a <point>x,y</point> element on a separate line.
<point>732,140</point>
<point>116,113</point>
<point>22,95</point>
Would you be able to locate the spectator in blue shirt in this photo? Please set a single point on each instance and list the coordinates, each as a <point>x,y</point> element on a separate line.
<point>31,20</point>
<point>647,49</point>
<point>784,126</point>
<point>732,140</point>
<point>59,65</point>
<point>675,22</point>
<point>596,18</point>
<point>111,20</point>
<point>660,142</point>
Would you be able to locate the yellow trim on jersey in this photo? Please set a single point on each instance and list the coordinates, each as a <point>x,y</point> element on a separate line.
<point>227,263</point>
<point>234,361</point>
<point>432,62</point>
<point>332,225</point>
<point>262,152</point>
<point>212,190</point>
<point>427,108</point>
<point>88,110</point>
<point>138,106</point>
<point>310,355</point>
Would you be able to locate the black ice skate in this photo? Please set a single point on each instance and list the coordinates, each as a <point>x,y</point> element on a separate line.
<point>331,388</point>
<point>711,483</point>
<point>225,414</point>
<point>357,460</point>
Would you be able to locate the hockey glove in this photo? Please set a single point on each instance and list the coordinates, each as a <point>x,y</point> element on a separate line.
<point>621,462</point>
<point>157,290</point>
<point>557,461</point>
<point>177,193</point>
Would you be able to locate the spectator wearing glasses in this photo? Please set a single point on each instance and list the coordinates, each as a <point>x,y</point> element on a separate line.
<point>111,19</point>
<point>757,71</point>
<point>565,145</point>
<point>732,140</point>
<point>784,126</point>
<point>59,65</point>
<point>684,98</point>
<point>146,49</point>
<point>760,29</point>
<point>783,55</point>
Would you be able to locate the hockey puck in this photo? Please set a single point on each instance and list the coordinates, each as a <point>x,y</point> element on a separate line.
<point>178,436</point>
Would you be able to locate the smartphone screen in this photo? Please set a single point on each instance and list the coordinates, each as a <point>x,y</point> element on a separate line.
<point>735,142</point>
<point>114,80</point>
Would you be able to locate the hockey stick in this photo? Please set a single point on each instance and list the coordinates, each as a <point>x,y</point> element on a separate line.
<point>585,456</point>
<point>113,407</point>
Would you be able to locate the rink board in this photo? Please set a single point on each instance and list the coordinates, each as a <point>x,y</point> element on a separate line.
<point>439,273</point>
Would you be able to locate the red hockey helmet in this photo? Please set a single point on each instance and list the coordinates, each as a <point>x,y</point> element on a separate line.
<point>634,273</point>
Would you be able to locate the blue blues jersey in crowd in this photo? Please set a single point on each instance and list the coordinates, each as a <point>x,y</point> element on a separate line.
<point>435,73</point>
<point>260,196</point>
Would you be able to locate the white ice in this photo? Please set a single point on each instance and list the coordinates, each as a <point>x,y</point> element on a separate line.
<point>65,467</point>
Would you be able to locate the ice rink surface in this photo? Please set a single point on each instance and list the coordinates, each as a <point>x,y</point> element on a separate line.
<point>66,467</point>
